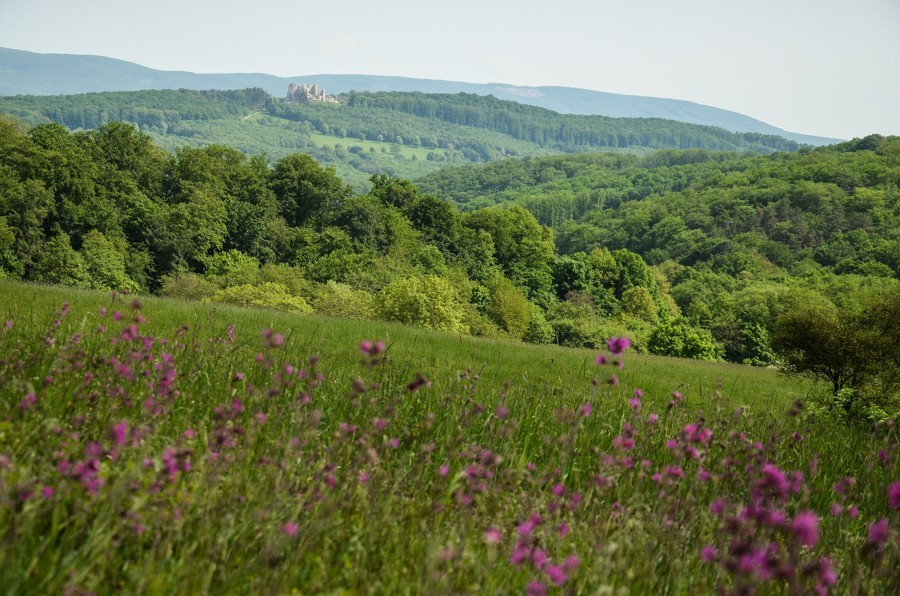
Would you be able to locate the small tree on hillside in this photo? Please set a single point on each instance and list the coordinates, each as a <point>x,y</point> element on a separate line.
<point>857,350</point>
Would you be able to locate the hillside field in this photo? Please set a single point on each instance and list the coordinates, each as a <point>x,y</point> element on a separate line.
<point>157,446</point>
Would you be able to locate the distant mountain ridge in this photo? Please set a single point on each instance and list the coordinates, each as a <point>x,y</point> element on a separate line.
<point>29,73</point>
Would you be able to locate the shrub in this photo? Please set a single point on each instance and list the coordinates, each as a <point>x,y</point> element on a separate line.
<point>508,307</point>
<point>340,300</point>
<point>266,294</point>
<point>428,301</point>
<point>679,338</point>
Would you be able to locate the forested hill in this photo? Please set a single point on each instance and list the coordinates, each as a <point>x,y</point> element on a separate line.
<point>402,134</point>
<point>689,252</point>
<point>28,73</point>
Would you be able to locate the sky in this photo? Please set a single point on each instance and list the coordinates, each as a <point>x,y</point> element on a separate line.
<point>822,67</point>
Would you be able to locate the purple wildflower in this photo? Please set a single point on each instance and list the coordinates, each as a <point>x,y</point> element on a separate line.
<point>290,529</point>
<point>556,574</point>
<point>805,527</point>
<point>879,532</point>
<point>492,536</point>
<point>617,345</point>
<point>893,492</point>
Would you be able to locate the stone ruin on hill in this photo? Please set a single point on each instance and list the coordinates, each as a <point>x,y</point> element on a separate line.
<point>305,93</point>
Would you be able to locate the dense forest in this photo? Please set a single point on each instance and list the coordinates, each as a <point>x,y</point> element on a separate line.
<point>398,134</point>
<point>690,253</point>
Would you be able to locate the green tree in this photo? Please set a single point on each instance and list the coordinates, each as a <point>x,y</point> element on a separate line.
<point>59,263</point>
<point>856,349</point>
<point>303,188</point>
<point>105,263</point>
<point>679,338</point>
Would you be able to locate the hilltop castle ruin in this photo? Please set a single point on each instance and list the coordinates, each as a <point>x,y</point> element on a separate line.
<point>305,93</point>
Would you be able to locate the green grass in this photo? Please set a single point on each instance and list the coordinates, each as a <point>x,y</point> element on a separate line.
<point>333,480</point>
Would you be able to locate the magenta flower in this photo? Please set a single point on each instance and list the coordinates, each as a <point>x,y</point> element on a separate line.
<point>805,527</point>
<point>290,529</point>
<point>827,574</point>
<point>47,492</point>
<point>120,433</point>
<point>443,470</point>
<point>556,574</point>
<point>536,588</point>
<point>617,345</point>
<point>600,360</point>
<point>893,492</point>
<point>501,411</point>
<point>492,536</point>
<point>394,442</point>
<point>28,401</point>
<point>708,553</point>
<point>571,562</point>
<point>879,532</point>
<point>585,410</point>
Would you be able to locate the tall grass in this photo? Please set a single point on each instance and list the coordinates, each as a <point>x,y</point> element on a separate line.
<point>160,446</point>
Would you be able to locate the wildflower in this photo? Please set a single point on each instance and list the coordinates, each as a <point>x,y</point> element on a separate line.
<point>563,529</point>
<point>556,574</point>
<point>394,442</point>
<point>119,432</point>
<point>600,360</point>
<point>27,401</point>
<point>571,562</point>
<point>585,410</point>
<point>558,490</point>
<point>879,533</point>
<point>539,558</point>
<point>501,412</point>
<point>617,345</point>
<point>536,588</point>
<point>893,492</point>
<point>47,493</point>
<point>708,553</point>
<point>443,470</point>
<point>827,575</point>
<point>635,404</point>
<point>613,380</point>
<point>492,535</point>
<point>652,419</point>
<point>805,527</point>
<point>8,325</point>
<point>290,529</point>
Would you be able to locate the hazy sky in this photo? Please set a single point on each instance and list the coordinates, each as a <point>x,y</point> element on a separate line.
<point>823,67</point>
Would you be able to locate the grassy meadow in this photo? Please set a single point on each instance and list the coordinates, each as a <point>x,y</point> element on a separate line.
<point>153,446</point>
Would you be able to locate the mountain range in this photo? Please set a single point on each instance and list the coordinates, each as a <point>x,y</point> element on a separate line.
<point>29,73</point>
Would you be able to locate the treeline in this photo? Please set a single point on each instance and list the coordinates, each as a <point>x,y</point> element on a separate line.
<point>449,129</point>
<point>566,132</point>
<point>155,110</point>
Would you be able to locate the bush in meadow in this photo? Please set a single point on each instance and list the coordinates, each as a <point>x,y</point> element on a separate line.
<point>265,295</point>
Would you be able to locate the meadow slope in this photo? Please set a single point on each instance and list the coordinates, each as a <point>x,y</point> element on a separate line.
<point>157,446</point>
